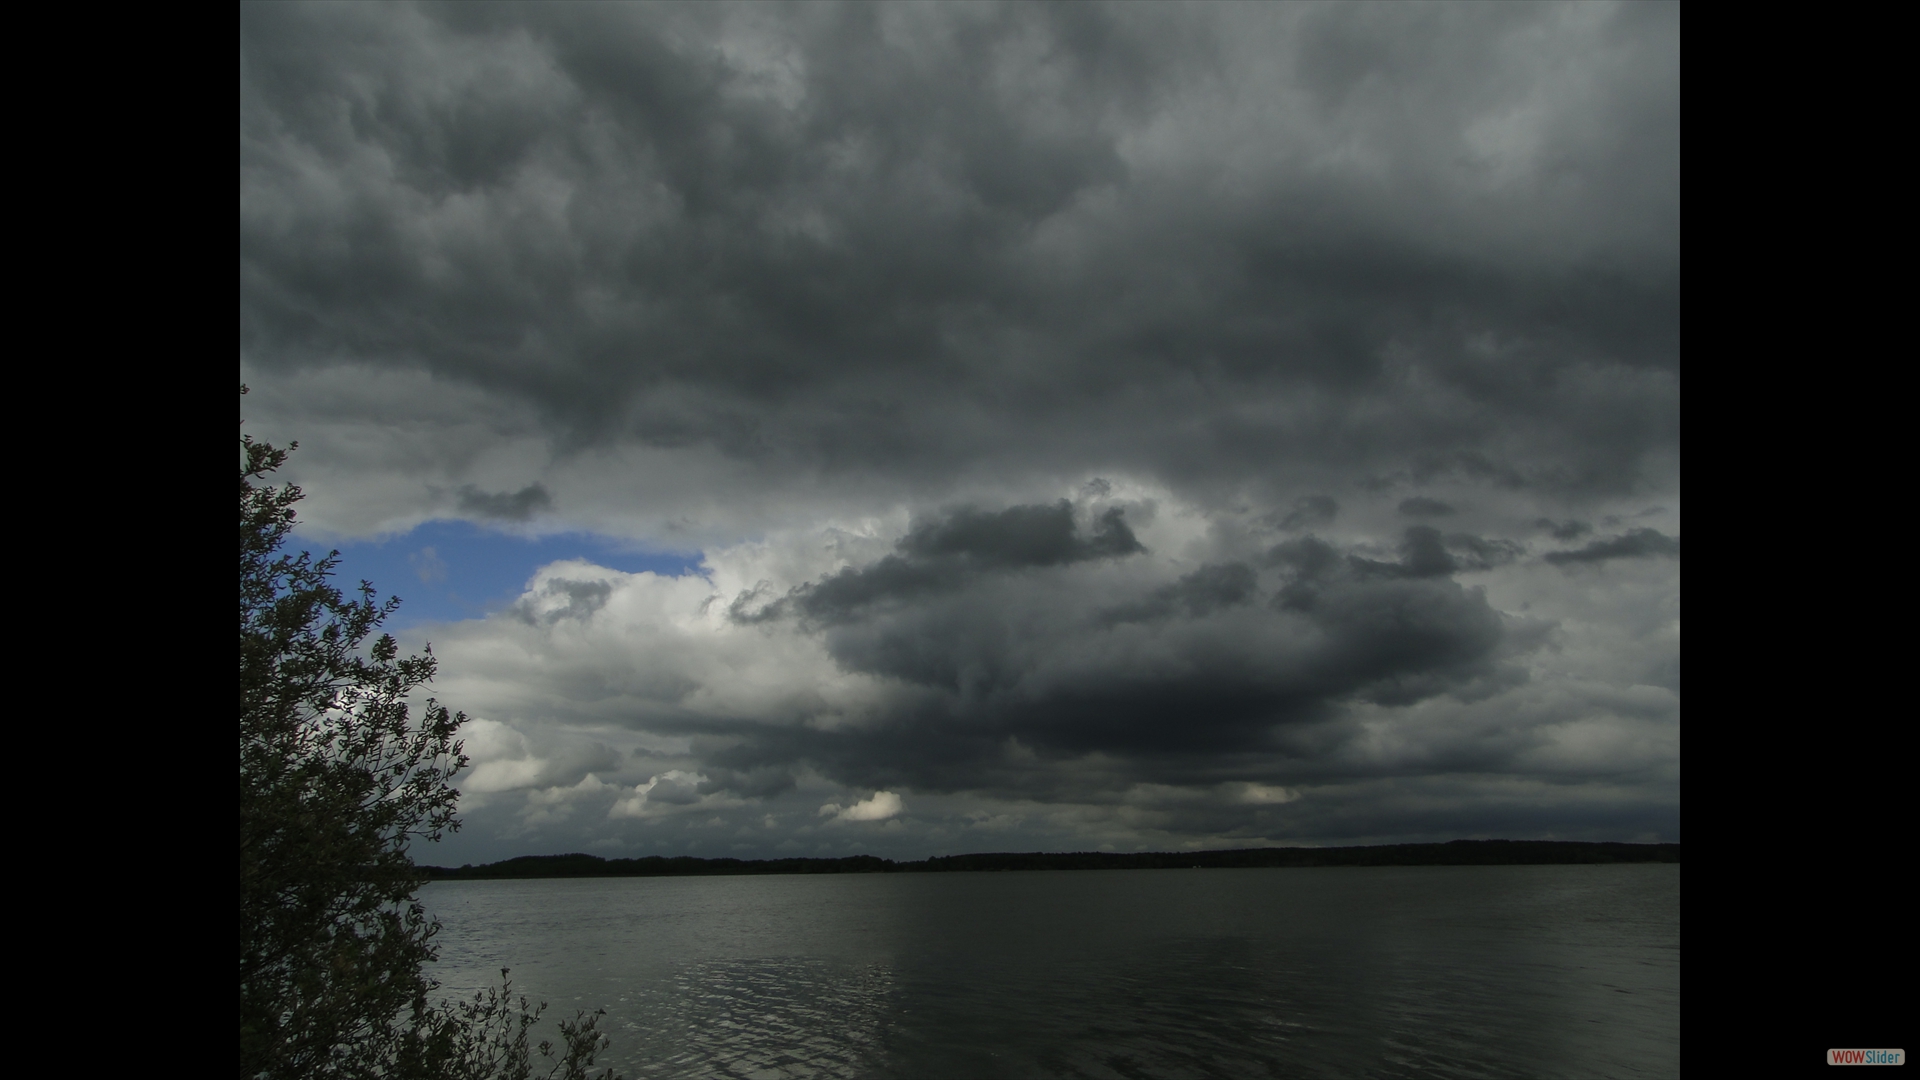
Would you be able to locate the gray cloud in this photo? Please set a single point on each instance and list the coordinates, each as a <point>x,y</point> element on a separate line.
<point>1479,553</point>
<point>758,783</point>
<point>941,555</point>
<point>505,506</point>
<point>1309,511</point>
<point>1566,530</point>
<point>1021,536</point>
<point>1200,593</point>
<point>1635,544</point>
<point>559,599</point>
<point>858,241</point>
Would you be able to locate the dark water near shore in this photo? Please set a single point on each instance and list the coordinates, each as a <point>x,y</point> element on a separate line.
<point>1349,971</point>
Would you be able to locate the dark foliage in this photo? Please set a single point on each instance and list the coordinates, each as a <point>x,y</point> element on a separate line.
<point>337,778</point>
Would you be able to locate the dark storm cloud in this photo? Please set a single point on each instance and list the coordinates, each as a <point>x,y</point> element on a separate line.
<point>1020,536</point>
<point>755,783</point>
<point>505,506</point>
<point>1635,544</point>
<point>943,554</point>
<point>1202,592</point>
<point>1173,686</point>
<point>911,240</point>
<point>920,181</point>
<point>1423,553</point>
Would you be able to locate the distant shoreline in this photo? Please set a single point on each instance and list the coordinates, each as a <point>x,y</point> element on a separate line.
<point>1452,853</point>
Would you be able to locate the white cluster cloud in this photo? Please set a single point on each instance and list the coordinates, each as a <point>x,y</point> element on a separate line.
<point>881,806</point>
<point>651,702</point>
<point>662,793</point>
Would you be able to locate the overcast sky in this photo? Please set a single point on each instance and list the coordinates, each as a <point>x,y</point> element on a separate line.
<point>920,429</point>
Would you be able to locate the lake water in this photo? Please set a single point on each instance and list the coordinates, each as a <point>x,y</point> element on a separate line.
<point>1534,971</point>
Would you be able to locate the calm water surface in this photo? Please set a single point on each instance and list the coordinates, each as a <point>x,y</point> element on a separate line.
<point>1348,971</point>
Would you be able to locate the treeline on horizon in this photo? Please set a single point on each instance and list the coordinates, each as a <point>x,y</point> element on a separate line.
<point>1452,853</point>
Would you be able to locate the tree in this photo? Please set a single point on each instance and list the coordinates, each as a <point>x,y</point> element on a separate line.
<point>337,778</point>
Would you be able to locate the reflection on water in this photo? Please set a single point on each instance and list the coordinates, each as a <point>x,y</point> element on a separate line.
<point>1386,971</point>
<point>762,1018</point>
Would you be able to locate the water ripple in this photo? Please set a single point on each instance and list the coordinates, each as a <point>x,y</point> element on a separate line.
<point>1378,972</point>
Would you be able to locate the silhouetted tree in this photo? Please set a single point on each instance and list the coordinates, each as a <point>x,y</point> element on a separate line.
<point>337,777</point>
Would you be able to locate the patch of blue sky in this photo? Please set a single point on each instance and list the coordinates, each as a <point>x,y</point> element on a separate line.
<point>446,571</point>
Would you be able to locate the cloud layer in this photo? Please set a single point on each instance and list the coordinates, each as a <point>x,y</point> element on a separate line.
<point>1089,415</point>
